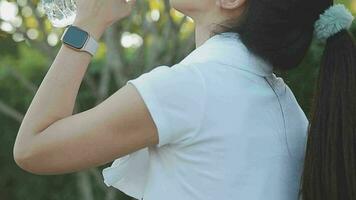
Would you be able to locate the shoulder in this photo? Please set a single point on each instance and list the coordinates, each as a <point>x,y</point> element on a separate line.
<point>178,78</point>
<point>180,71</point>
<point>214,72</point>
<point>188,70</point>
<point>175,97</point>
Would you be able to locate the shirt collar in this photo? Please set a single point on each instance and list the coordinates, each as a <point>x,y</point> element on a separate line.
<point>226,48</point>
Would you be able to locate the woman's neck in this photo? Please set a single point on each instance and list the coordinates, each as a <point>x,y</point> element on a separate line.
<point>207,22</point>
<point>204,26</point>
<point>202,34</point>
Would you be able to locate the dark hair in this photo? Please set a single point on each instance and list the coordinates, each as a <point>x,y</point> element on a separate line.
<point>281,31</point>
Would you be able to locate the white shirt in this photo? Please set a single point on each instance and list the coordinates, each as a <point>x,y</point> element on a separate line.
<point>228,128</point>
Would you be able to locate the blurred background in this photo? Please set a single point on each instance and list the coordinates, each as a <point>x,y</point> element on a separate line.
<point>155,34</point>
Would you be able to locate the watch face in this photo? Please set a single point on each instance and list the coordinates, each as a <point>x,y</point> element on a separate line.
<point>75,37</point>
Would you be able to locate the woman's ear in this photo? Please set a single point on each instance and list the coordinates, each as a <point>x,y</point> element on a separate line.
<point>230,4</point>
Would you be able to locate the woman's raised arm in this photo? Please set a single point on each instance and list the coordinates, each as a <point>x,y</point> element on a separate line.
<point>51,140</point>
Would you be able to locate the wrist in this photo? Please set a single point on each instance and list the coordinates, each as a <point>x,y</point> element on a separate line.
<point>95,30</point>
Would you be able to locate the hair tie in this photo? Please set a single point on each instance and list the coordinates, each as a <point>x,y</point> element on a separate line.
<point>333,20</point>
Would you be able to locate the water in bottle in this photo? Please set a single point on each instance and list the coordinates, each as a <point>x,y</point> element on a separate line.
<point>61,13</point>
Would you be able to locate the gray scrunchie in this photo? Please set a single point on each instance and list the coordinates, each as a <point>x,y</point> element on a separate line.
<point>332,21</point>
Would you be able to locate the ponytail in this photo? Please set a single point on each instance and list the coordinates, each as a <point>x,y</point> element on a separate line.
<point>330,158</point>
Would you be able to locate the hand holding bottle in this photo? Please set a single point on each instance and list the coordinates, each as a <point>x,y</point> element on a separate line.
<point>95,16</point>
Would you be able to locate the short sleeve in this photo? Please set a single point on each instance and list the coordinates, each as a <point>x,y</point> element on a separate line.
<point>175,98</point>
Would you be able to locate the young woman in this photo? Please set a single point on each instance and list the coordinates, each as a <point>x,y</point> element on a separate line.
<point>217,125</point>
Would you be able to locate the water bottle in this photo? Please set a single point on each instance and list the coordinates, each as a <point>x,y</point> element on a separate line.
<point>60,13</point>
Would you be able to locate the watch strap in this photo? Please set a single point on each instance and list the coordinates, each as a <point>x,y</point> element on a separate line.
<point>91,45</point>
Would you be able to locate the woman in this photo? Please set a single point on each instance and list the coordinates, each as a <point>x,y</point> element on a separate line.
<point>217,125</point>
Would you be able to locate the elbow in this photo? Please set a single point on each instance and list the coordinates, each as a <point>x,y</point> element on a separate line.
<point>24,159</point>
<point>31,160</point>
<point>26,163</point>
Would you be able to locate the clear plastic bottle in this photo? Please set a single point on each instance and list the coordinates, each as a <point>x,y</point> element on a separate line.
<point>61,13</point>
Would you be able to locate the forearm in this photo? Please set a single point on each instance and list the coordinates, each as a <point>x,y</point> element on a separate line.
<point>56,95</point>
<point>55,98</point>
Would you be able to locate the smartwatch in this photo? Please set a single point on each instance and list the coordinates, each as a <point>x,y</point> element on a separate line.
<point>79,40</point>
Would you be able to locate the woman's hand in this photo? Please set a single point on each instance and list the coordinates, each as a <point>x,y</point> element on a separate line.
<point>95,16</point>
